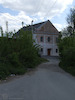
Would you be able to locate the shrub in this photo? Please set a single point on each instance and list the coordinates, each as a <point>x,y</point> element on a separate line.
<point>17,55</point>
<point>67,54</point>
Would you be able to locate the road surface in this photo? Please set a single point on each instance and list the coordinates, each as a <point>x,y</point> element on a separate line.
<point>47,82</point>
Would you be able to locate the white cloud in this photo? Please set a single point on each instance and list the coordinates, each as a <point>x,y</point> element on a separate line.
<point>32,9</point>
<point>14,22</point>
<point>60,26</point>
<point>45,8</point>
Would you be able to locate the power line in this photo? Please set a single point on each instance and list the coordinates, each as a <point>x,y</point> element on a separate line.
<point>13,19</point>
<point>40,5</point>
<point>51,7</point>
<point>42,2</point>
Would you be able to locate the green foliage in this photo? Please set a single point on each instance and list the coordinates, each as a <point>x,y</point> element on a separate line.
<point>67,45</point>
<point>70,29</point>
<point>17,54</point>
<point>67,54</point>
<point>71,20</point>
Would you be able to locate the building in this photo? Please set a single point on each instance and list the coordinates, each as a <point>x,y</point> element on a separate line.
<point>46,35</point>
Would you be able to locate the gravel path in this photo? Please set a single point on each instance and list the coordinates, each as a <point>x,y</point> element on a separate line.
<point>47,82</point>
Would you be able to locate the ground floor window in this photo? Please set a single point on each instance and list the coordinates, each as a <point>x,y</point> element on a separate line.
<point>56,50</point>
<point>41,49</point>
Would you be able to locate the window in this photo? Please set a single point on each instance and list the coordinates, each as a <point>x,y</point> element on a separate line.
<point>56,39</point>
<point>48,39</point>
<point>41,49</point>
<point>42,28</point>
<point>56,50</point>
<point>41,38</point>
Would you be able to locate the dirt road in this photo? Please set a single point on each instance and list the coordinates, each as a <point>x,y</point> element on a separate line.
<point>47,82</point>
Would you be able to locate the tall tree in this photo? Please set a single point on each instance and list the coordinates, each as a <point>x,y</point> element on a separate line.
<point>70,30</point>
<point>71,19</point>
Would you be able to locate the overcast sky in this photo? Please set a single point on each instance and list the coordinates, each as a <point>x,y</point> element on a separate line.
<point>16,11</point>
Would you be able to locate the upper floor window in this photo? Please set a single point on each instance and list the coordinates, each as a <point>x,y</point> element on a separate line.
<point>56,39</point>
<point>41,38</point>
<point>48,39</point>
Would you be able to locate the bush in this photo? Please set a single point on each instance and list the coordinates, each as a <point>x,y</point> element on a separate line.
<point>17,55</point>
<point>14,59</point>
<point>69,58</point>
<point>67,54</point>
<point>4,70</point>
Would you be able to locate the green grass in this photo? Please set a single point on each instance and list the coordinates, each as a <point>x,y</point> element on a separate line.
<point>69,69</point>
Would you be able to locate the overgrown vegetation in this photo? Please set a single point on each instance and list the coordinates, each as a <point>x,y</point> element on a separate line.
<point>17,54</point>
<point>67,45</point>
<point>67,54</point>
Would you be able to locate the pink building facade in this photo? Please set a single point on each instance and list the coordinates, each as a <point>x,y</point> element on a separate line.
<point>46,36</point>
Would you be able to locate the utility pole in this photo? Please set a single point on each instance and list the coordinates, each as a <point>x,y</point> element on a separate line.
<point>7,26</point>
<point>32,26</point>
<point>22,24</point>
<point>1,31</point>
<point>14,31</point>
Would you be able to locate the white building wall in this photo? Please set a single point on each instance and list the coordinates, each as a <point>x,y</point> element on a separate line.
<point>35,38</point>
<point>46,45</point>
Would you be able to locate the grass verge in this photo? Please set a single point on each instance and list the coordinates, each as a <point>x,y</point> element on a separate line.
<point>69,69</point>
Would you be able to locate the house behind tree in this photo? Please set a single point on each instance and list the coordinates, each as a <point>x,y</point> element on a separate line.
<point>46,35</point>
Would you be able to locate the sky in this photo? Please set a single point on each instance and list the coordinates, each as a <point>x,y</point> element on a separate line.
<point>17,11</point>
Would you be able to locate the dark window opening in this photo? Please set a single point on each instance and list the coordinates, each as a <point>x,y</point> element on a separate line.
<point>56,50</point>
<point>41,39</point>
<point>41,49</point>
<point>48,39</point>
<point>56,40</point>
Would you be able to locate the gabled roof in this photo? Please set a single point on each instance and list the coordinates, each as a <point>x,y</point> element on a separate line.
<point>29,27</point>
<point>36,26</point>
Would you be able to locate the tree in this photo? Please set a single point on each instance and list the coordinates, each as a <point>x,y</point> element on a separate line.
<point>64,32</point>
<point>70,30</point>
<point>66,45</point>
<point>71,19</point>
